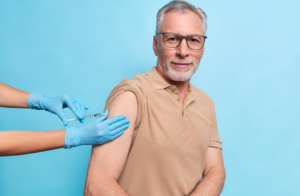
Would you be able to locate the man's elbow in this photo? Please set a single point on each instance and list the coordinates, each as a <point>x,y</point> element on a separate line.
<point>109,187</point>
<point>89,190</point>
<point>101,186</point>
<point>223,175</point>
<point>220,173</point>
<point>92,189</point>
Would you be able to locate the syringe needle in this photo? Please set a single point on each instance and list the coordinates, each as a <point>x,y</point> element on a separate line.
<point>87,116</point>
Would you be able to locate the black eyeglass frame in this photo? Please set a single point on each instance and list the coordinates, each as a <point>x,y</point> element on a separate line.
<point>182,37</point>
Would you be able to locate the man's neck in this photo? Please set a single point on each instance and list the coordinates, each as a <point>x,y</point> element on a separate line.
<point>182,87</point>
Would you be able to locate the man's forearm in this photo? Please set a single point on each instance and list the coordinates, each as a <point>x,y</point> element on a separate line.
<point>107,188</point>
<point>211,184</point>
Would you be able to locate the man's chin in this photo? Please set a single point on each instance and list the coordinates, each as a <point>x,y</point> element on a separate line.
<point>181,70</point>
<point>180,76</point>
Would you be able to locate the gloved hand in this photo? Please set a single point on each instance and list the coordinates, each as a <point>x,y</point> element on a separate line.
<point>55,105</point>
<point>96,132</point>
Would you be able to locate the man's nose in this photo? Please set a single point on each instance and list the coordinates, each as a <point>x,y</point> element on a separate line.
<point>183,49</point>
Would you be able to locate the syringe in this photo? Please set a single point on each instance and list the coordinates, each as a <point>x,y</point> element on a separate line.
<point>87,116</point>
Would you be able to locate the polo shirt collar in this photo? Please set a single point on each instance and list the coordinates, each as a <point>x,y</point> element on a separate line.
<point>158,81</point>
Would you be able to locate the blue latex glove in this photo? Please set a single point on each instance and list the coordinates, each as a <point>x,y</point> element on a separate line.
<point>96,132</point>
<point>55,105</point>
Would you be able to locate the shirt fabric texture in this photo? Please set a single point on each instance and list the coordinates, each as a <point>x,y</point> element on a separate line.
<point>167,153</point>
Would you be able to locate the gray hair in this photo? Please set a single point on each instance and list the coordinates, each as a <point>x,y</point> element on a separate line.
<point>179,5</point>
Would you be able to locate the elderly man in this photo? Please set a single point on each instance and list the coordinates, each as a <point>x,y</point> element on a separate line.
<point>172,141</point>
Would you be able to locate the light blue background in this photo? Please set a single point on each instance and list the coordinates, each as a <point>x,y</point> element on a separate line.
<point>84,48</point>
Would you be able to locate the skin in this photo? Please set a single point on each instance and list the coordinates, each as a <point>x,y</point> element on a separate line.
<point>24,142</point>
<point>108,160</point>
<point>12,98</point>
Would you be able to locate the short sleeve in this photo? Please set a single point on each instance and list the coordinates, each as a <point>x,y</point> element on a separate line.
<point>127,85</point>
<point>215,140</point>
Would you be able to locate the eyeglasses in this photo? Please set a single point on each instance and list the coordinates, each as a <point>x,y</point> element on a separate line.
<point>173,40</point>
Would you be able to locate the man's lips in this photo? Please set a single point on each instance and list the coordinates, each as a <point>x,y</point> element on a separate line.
<point>181,65</point>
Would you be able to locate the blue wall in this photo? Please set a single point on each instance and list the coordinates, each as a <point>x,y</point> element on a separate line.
<point>250,68</point>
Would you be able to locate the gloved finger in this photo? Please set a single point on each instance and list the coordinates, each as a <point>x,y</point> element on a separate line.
<point>115,119</point>
<point>73,108</point>
<point>63,118</point>
<point>119,129</point>
<point>83,111</point>
<point>117,135</point>
<point>119,124</point>
<point>102,117</point>
<point>80,108</point>
<point>84,105</point>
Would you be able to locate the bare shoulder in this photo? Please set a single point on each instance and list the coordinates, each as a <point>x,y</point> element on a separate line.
<point>123,102</point>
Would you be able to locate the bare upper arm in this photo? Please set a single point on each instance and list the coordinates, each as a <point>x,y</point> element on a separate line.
<point>108,160</point>
<point>213,159</point>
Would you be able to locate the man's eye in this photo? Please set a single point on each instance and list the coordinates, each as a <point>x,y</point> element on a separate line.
<point>171,39</point>
<point>195,40</point>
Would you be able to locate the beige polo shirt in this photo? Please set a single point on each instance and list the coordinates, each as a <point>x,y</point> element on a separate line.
<point>167,153</point>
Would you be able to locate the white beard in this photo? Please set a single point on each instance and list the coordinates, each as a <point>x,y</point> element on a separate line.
<point>177,74</point>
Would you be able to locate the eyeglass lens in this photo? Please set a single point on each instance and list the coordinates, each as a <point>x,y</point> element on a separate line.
<point>173,40</point>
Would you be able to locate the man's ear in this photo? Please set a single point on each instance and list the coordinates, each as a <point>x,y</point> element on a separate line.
<point>155,45</point>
